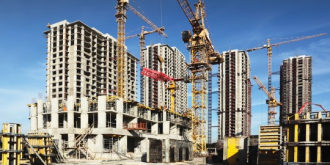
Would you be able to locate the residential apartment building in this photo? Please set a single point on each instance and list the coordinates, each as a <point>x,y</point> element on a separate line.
<point>296,85</point>
<point>154,93</point>
<point>83,114</point>
<point>234,95</point>
<point>81,62</point>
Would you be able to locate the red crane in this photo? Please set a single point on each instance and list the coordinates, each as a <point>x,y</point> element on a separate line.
<point>160,76</point>
<point>304,105</point>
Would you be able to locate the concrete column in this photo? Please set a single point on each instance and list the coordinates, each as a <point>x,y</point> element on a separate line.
<point>164,115</point>
<point>167,150</point>
<point>84,110</point>
<point>39,108</point>
<point>70,119</point>
<point>34,118</point>
<point>148,114</point>
<point>101,111</point>
<point>166,127</point>
<point>119,121</point>
<point>99,143</point>
<point>71,138</point>
<point>119,104</point>
<point>145,147</point>
<point>135,109</point>
<point>119,115</point>
<point>54,113</point>
<point>70,108</point>
<point>123,143</point>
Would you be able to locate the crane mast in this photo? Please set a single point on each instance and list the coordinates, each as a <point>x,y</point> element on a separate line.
<point>121,17</point>
<point>202,56</point>
<point>121,52</point>
<point>272,102</point>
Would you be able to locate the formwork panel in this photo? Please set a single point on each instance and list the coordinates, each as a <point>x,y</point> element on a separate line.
<point>311,141</point>
<point>41,144</point>
<point>11,144</point>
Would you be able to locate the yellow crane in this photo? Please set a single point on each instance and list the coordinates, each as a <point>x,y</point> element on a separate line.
<point>270,54</point>
<point>121,17</point>
<point>142,40</point>
<point>272,102</point>
<point>202,56</point>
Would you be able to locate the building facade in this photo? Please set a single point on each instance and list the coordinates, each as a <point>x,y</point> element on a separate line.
<point>81,62</point>
<point>296,85</point>
<point>234,95</point>
<point>153,92</point>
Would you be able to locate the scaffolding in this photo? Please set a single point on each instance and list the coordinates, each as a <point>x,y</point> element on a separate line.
<point>80,145</point>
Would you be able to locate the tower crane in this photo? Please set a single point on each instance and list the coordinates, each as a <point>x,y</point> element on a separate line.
<point>203,56</point>
<point>142,45</point>
<point>142,36</point>
<point>121,17</point>
<point>270,54</point>
<point>272,102</point>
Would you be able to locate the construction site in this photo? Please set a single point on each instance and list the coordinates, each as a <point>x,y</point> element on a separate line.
<point>92,113</point>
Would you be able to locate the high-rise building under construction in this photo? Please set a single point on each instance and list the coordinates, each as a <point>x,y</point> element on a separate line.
<point>153,92</point>
<point>81,62</point>
<point>234,95</point>
<point>296,85</point>
<point>83,114</point>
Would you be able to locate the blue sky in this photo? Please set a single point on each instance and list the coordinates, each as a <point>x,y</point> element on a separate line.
<point>235,24</point>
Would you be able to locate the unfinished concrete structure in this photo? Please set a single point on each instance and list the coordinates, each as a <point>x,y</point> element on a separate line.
<point>81,62</point>
<point>296,85</point>
<point>308,138</point>
<point>153,92</point>
<point>86,118</point>
<point>113,128</point>
<point>234,95</point>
